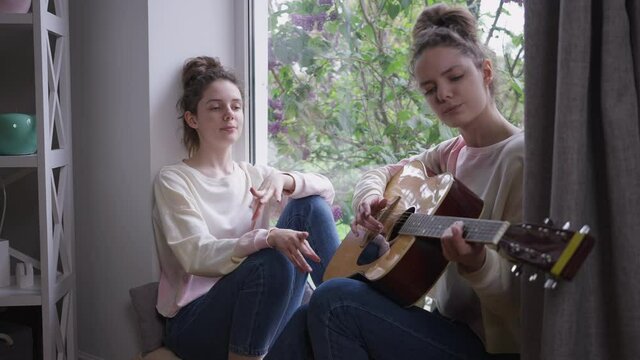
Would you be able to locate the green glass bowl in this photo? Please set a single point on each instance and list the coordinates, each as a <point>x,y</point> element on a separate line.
<point>17,134</point>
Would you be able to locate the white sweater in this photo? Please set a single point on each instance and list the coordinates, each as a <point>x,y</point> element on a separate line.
<point>203,227</point>
<point>487,300</point>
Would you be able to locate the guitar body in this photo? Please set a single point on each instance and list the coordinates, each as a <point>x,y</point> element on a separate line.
<point>413,264</point>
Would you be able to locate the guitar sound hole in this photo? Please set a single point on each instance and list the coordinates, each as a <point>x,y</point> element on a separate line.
<point>400,222</point>
<point>369,254</point>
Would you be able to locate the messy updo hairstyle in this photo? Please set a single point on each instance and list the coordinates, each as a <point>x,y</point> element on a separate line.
<point>450,26</point>
<point>197,74</point>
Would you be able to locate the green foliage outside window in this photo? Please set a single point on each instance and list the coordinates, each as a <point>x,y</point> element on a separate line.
<point>341,97</point>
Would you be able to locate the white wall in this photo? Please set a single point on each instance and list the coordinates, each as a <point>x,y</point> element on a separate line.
<point>110,97</point>
<point>198,27</point>
<point>125,60</point>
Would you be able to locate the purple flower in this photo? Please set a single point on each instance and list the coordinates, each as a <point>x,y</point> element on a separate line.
<point>304,21</point>
<point>336,210</point>
<point>325,2</point>
<point>276,104</point>
<point>309,22</point>
<point>320,19</point>
<point>276,127</point>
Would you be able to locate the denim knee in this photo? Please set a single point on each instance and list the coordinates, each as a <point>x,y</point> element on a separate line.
<point>276,261</point>
<point>310,200</point>
<point>333,293</point>
<point>276,267</point>
<point>300,214</point>
<point>311,203</point>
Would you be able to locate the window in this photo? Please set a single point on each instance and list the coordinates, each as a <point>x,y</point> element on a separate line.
<point>340,95</point>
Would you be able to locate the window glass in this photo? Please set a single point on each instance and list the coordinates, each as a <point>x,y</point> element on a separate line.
<point>341,98</point>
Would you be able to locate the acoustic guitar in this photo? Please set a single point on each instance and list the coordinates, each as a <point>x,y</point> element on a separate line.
<point>421,205</point>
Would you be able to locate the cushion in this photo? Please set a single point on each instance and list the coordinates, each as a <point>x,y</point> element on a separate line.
<point>150,322</point>
<point>159,354</point>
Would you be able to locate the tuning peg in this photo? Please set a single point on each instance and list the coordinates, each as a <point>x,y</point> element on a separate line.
<point>515,248</point>
<point>585,229</point>
<point>516,270</point>
<point>566,226</point>
<point>533,277</point>
<point>550,284</point>
<point>548,221</point>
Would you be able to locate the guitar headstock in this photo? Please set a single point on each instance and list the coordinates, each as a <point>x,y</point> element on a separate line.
<point>557,252</point>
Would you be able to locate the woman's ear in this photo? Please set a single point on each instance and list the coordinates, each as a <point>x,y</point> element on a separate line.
<point>487,71</point>
<point>190,119</point>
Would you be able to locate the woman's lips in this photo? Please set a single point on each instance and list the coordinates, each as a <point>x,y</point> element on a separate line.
<point>452,109</point>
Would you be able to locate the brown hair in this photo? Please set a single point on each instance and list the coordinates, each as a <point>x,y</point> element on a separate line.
<point>197,74</point>
<point>451,26</point>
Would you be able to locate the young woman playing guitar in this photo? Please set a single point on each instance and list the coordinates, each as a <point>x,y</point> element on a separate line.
<point>476,299</point>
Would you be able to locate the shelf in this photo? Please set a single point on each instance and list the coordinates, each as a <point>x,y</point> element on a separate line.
<point>19,161</point>
<point>35,79</point>
<point>16,19</point>
<point>57,158</point>
<point>12,295</point>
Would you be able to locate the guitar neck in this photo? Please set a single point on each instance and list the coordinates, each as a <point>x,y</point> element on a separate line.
<point>475,230</point>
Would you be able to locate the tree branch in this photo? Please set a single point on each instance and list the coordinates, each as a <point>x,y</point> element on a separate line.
<point>495,22</point>
<point>512,68</point>
<point>277,79</point>
<point>368,21</point>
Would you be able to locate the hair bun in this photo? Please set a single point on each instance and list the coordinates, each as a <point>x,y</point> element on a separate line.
<point>198,66</point>
<point>455,18</point>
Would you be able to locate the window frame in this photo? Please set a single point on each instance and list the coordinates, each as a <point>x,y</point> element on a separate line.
<point>253,56</point>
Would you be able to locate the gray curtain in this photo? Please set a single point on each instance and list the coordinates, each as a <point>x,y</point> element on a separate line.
<point>582,73</point>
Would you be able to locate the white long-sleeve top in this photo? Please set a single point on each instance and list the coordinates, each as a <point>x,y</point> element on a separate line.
<point>487,300</point>
<point>203,226</point>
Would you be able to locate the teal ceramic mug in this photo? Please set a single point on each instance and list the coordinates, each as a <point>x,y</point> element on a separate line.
<point>17,134</point>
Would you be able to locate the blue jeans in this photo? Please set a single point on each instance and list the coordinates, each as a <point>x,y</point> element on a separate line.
<point>246,309</point>
<point>347,319</point>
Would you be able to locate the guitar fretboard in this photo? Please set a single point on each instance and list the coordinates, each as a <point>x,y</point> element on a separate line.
<point>484,231</point>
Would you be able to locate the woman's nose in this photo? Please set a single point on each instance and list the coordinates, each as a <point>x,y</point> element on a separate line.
<point>228,114</point>
<point>444,93</point>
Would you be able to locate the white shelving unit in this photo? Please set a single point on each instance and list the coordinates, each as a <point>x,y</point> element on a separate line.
<point>43,89</point>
